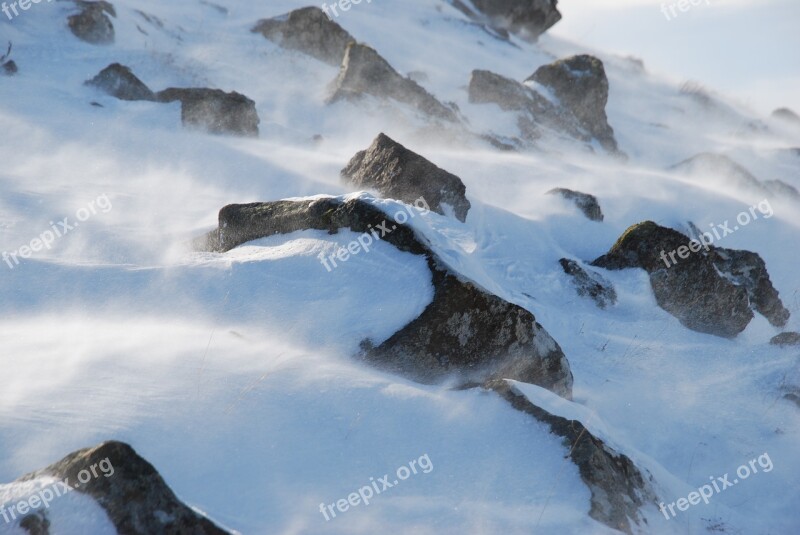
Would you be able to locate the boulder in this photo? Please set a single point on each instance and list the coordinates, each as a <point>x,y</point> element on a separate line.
<point>92,23</point>
<point>711,291</point>
<point>365,72</point>
<point>466,332</point>
<point>585,202</point>
<point>307,30</point>
<point>526,18</point>
<point>398,173</point>
<point>133,494</point>
<point>786,339</point>
<point>120,82</point>
<point>581,85</point>
<point>590,284</point>
<point>214,110</point>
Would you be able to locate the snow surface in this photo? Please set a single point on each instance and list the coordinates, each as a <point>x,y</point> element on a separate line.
<point>233,373</point>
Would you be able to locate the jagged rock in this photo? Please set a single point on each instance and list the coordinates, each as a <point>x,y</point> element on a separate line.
<point>135,497</point>
<point>785,114</point>
<point>590,284</point>
<point>711,291</point>
<point>465,332</point>
<point>721,166</point>
<point>786,339</point>
<point>214,111</point>
<point>618,488</point>
<point>399,173</point>
<point>307,30</point>
<point>587,203</point>
<point>782,190</point>
<point>365,72</point>
<point>581,85</point>
<point>120,82</point>
<point>92,23</point>
<point>526,18</point>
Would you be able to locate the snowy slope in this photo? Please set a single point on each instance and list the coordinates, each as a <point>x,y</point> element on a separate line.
<point>232,373</point>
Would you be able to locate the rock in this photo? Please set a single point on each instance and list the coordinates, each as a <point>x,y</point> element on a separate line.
<point>590,284</point>
<point>711,291</point>
<point>307,30</point>
<point>120,82</point>
<point>214,111</point>
<point>135,497</point>
<point>465,332</point>
<point>36,523</point>
<point>398,173</point>
<point>618,487</point>
<point>365,72</point>
<point>587,203</point>
<point>782,190</point>
<point>581,85</point>
<point>707,163</point>
<point>92,23</point>
<point>785,114</point>
<point>786,339</point>
<point>526,18</point>
<point>9,68</point>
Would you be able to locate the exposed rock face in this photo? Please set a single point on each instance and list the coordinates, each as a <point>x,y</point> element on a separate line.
<point>618,487</point>
<point>399,173</point>
<point>214,111</point>
<point>307,30</point>
<point>135,497</point>
<point>588,284</point>
<point>92,23</point>
<point>710,291</point>
<point>786,339</point>
<point>465,332</point>
<point>534,110</point>
<point>526,18</point>
<point>587,203</point>
<point>785,114</point>
<point>581,85</point>
<point>365,72</point>
<point>120,82</point>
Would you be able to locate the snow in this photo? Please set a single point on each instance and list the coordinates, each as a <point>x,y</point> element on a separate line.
<point>233,374</point>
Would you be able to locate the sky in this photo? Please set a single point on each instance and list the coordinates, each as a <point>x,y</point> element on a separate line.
<point>748,50</point>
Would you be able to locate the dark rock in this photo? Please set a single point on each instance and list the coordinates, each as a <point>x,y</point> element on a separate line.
<point>526,18</point>
<point>618,487</point>
<point>307,30</point>
<point>365,72</point>
<point>786,339</point>
<point>782,190</point>
<point>214,110</point>
<point>719,165</point>
<point>92,23</point>
<point>36,523</point>
<point>120,82</point>
<point>399,173</point>
<point>785,114</point>
<point>135,497</point>
<point>581,85</point>
<point>9,68</point>
<point>590,284</point>
<point>711,291</point>
<point>465,332</point>
<point>587,203</point>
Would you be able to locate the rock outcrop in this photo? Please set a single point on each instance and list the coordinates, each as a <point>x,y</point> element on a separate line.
<point>307,30</point>
<point>618,487</point>
<point>786,339</point>
<point>590,284</point>
<point>709,290</point>
<point>398,173</point>
<point>585,202</point>
<point>92,23</point>
<point>214,110</point>
<point>120,82</point>
<point>130,490</point>
<point>526,18</point>
<point>465,333</point>
<point>364,72</point>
